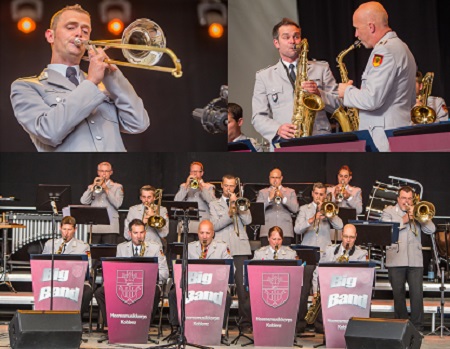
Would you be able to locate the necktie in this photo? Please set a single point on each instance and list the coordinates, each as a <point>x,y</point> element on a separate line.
<point>292,72</point>
<point>228,202</point>
<point>136,251</point>
<point>71,74</point>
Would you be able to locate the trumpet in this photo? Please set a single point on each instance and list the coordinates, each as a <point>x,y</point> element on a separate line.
<point>143,43</point>
<point>98,186</point>
<point>194,183</point>
<point>340,196</point>
<point>277,198</point>
<point>156,221</point>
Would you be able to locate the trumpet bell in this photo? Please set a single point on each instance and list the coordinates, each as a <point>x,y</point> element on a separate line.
<point>330,209</point>
<point>242,204</point>
<point>423,115</point>
<point>147,33</point>
<point>424,211</point>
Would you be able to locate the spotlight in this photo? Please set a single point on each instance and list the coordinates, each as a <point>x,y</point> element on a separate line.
<point>26,13</point>
<point>213,13</point>
<point>115,13</point>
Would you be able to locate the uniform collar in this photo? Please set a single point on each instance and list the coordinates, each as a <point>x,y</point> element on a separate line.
<point>389,35</point>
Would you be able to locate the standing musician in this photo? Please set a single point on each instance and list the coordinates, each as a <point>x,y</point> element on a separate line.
<point>65,109</point>
<point>68,244</point>
<point>404,260</point>
<point>195,189</point>
<point>279,204</point>
<point>205,248</point>
<point>273,101</point>
<point>144,211</point>
<point>229,225</point>
<point>275,249</point>
<point>315,228</point>
<point>104,192</point>
<point>137,247</point>
<point>387,91</point>
<point>345,195</point>
<point>435,103</point>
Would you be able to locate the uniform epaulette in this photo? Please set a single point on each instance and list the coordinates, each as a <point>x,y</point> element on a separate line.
<point>152,242</point>
<point>320,61</point>
<point>28,77</point>
<point>264,68</point>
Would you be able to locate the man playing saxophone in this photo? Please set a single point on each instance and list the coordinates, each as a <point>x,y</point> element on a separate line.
<point>144,211</point>
<point>273,101</point>
<point>138,247</point>
<point>435,103</point>
<point>387,91</point>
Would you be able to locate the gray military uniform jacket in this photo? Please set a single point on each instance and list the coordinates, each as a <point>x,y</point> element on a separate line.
<point>112,201</point>
<point>354,201</point>
<point>224,227</point>
<point>202,197</point>
<point>388,89</point>
<point>125,249</point>
<point>310,238</point>
<point>74,246</point>
<point>359,255</point>
<point>153,234</point>
<point>60,116</point>
<point>216,250</point>
<point>273,101</point>
<point>267,253</point>
<point>408,252</point>
<point>279,215</point>
<point>438,104</point>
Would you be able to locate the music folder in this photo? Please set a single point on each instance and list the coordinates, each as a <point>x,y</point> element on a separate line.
<point>277,262</point>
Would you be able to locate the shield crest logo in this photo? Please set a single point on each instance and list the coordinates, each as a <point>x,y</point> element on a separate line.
<point>275,289</point>
<point>130,285</point>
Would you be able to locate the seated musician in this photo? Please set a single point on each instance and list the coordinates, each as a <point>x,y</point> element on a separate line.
<point>138,247</point>
<point>339,253</point>
<point>205,248</point>
<point>68,244</point>
<point>275,249</point>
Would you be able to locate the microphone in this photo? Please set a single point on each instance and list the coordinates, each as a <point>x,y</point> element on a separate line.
<point>55,210</point>
<point>214,117</point>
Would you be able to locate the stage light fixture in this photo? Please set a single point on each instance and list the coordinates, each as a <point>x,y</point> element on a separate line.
<point>115,13</point>
<point>213,13</point>
<point>26,13</point>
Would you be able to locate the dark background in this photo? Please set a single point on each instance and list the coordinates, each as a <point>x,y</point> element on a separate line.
<point>169,101</point>
<point>423,25</point>
<point>21,173</point>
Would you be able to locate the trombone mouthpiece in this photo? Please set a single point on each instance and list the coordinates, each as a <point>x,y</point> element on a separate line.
<point>78,42</point>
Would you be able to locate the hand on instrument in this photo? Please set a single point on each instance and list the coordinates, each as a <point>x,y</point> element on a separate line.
<point>97,65</point>
<point>188,181</point>
<point>286,131</point>
<point>272,192</point>
<point>311,87</point>
<point>342,87</point>
<point>418,102</point>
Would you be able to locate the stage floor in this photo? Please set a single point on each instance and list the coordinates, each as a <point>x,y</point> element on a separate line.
<point>429,342</point>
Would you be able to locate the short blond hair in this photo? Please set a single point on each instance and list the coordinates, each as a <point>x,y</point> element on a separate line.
<point>57,15</point>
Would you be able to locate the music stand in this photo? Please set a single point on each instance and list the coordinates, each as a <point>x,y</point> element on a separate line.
<point>308,254</point>
<point>376,234</point>
<point>48,198</point>
<point>258,217</point>
<point>183,211</point>
<point>244,145</point>
<point>89,215</point>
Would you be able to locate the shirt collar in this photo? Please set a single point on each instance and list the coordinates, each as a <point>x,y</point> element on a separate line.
<point>61,68</point>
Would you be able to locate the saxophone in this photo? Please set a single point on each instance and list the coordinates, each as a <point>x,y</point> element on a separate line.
<point>348,118</point>
<point>423,114</point>
<point>313,310</point>
<point>61,247</point>
<point>344,257</point>
<point>275,254</point>
<point>142,249</point>
<point>306,104</point>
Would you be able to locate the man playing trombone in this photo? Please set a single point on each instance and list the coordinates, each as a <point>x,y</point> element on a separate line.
<point>313,222</point>
<point>65,109</point>
<point>279,203</point>
<point>404,260</point>
<point>229,220</point>
<point>195,189</point>
<point>148,208</point>
<point>104,192</point>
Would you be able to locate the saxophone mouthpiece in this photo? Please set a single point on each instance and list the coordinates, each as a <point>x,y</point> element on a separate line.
<point>357,43</point>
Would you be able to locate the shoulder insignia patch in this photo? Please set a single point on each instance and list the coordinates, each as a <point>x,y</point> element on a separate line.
<point>377,60</point>
<point>444,107</point>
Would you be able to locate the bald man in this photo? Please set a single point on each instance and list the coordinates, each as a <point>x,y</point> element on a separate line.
<point>387,91</point>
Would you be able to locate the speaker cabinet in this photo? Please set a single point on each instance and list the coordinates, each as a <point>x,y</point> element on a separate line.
<point>365,333</point>
<point>31,329</point>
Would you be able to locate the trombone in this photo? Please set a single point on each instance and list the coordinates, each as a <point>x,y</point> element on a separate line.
<point>328,208</point>
<point>157,221</point>
<point>240,205</point>
<point>143,43</point>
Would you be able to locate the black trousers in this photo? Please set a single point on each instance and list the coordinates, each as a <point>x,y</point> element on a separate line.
<point>100,297</point>
<point>244,310</point>
<point>173,310</point>
<point>398,276</point>
<point>86,300</point>
<point>286,241</point>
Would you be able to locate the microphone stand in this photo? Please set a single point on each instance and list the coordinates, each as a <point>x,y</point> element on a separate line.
<point>180,340</point>
<point>441,328</point>
<point>54,213</point>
